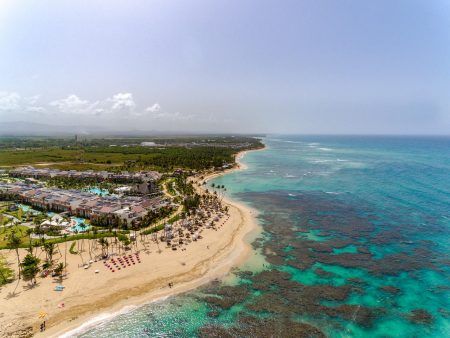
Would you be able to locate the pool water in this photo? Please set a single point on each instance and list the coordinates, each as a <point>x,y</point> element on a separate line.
<point>27,208</point>
<point>98,191</point>
<point>80,226</point>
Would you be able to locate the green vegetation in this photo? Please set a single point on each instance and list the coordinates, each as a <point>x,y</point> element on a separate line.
<point>169,186</point>
<point>154,229</point>
<point>69,142</point>
<point>20,232</point>
<point>30,267</point>
<point>24,242</point>
<point>49,248</point>
<point>174,218</point>
<point>99,154</point>
<point>182,185</point>
<point>117,159</point>
<point>191,202</point>
<point>34,142</point>
<point>156,215</point>
<point>77,183</point>
<point>59,269</point>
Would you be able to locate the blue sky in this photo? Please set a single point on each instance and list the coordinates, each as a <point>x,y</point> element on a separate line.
<point>231,66</point>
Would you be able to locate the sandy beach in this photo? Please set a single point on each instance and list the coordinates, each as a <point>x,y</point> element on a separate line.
<point>89,297</point>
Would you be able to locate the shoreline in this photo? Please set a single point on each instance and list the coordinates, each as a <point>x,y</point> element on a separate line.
<point>235,248</point>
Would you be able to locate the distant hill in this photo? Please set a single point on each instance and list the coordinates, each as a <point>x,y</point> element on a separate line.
<point>21,128</point>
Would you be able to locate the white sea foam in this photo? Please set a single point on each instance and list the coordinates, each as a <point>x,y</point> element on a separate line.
<point>320,161</point>
<point>104,318</point>
<point>296,142</point>
<point>284,141</point>
<point>95,321</point>
<point>289,176</point>
<point>325,149</point>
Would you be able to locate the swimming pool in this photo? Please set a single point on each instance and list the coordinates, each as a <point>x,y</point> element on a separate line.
<point>27,208</point>
<point>80,225</point>
<point>98,191</point>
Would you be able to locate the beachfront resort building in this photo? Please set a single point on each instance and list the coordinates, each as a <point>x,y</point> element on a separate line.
<point>128,209</point>
<point>144,182</point>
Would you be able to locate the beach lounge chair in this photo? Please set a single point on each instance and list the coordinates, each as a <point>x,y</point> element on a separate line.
<point>59,287</point>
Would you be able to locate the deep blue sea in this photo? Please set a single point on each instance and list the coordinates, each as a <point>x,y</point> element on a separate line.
<point>356,243</point>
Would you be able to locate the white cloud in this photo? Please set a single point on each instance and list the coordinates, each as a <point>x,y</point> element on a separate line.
<point>10,101</point>
<point>120,103</point>
<point>72,104</point>
<point>154,108</point>
<point>123,102</point>
<point>15,104</point>
<point>74,109</point>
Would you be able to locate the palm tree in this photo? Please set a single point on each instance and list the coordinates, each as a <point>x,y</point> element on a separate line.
<point>59,270</point>
<point>65,252</point>
<point>89,243</point>
<point>135,228</point>
<point>29,232</point>
<point>30,267</point>
<point>104,243</point>
<point>13,243</point>
<point>49,249</point>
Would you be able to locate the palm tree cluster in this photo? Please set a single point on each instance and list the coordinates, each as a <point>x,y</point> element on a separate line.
<point>30,265</point>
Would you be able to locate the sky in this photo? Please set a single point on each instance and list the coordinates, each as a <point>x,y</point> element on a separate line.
<point>232,66</point>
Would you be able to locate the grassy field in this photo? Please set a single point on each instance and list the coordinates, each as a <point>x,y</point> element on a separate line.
<point>132,158</point>
<point>11,157</point>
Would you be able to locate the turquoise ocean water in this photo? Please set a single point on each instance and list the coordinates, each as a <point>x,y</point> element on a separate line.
<point>355,244</point>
